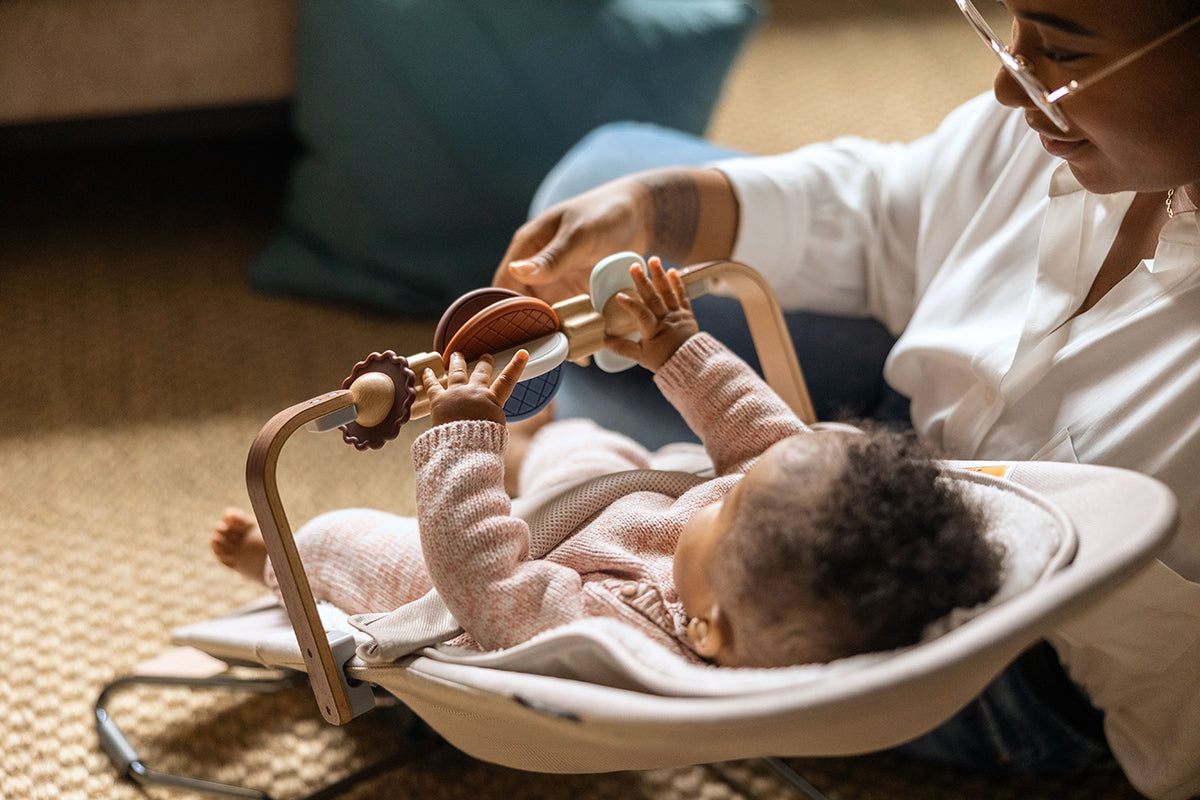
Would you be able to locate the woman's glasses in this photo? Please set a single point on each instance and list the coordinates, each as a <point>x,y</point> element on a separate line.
<point>1043,97</point>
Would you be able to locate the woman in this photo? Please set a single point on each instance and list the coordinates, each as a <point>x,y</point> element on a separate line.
<point>1038,260</point>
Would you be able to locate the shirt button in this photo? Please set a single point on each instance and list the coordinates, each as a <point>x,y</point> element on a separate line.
<point>629,589</point>
<point>989,395</point>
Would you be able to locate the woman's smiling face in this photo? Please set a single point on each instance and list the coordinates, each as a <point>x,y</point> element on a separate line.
<point>1136,129</point>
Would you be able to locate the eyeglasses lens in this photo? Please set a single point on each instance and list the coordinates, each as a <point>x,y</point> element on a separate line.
<point>995,23</point>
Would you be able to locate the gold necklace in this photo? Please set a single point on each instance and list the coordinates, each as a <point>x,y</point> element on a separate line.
<point>1170,211</point>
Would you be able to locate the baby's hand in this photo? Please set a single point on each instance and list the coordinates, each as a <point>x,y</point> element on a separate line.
<point>473,396</point>
<point>663,315</point>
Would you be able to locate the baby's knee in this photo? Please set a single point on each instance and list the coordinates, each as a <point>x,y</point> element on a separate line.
<point>332,529</point>
<point>616,149</point>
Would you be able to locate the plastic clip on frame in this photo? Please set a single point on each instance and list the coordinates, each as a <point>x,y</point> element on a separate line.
<point>585,321</point>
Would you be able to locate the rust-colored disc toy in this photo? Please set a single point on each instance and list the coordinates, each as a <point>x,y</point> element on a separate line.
<point>465,307</point>
<point>501,325</point>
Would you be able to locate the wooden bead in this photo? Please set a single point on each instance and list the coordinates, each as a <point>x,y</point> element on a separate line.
<point>373,393</point>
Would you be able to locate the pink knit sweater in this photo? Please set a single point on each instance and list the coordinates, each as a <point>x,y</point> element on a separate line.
<point>617,563</point>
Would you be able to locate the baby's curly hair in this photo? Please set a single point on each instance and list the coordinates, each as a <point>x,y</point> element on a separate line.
<point>886,547</point>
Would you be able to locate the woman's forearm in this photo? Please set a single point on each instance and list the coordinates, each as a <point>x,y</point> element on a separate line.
<point>691,214</point>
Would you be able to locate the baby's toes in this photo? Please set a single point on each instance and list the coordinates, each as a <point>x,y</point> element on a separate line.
<point>237,521</point>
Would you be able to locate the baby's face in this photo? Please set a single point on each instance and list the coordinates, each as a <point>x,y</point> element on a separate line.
<point>699,541</point>
<point>696,548</point>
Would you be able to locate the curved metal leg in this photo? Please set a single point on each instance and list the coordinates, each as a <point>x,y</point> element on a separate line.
<point>793,778</point>
<point>131,766</point>
<point>129,762</point>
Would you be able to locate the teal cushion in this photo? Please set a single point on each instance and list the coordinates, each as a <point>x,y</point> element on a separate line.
<point>427,125</point>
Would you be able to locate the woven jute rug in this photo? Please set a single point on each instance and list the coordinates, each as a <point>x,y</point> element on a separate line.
<point>137,366</point>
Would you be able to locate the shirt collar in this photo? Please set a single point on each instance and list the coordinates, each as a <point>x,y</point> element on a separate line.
<point>1178,243</point>
<point>1063,181</point>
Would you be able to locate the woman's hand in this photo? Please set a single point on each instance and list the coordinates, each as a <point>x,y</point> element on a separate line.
<point>663,314</point>
<point>684,214</point>
<point>474,395</point>
<point>551,256</point>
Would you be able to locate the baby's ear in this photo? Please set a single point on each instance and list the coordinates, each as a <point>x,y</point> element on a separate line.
<point>708,635</point>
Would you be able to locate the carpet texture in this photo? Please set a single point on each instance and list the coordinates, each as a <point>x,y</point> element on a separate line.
<point>137,366</point>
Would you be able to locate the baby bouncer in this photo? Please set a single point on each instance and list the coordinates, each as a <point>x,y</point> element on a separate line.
<point>597,696</point>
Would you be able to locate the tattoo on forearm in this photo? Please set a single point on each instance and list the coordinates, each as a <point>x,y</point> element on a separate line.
<point>675,200</point>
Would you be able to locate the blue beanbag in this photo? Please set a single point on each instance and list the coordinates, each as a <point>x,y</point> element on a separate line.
<point>427,125</point>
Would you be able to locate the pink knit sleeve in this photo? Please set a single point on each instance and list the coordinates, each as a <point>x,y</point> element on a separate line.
<point>725,402</point>
<point>476,552</point>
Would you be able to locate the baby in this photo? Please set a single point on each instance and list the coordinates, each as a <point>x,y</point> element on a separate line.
<point>807,546</point>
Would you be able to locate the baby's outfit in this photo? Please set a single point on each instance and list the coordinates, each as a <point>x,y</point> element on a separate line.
<point>617,562</point>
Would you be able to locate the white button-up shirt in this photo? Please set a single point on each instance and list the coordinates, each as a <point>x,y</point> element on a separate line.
<point>976,247</point>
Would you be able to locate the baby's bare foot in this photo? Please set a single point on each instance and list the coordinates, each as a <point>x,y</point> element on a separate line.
<point>238,544</point>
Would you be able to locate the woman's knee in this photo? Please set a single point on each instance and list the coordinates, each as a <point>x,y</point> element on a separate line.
<point>616,149</point>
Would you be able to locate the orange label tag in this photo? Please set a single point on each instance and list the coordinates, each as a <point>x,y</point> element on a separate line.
<point>999,470</point>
